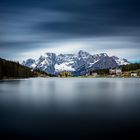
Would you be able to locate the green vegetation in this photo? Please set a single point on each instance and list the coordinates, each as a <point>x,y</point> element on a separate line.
<point>65,74</point>
<point>126,71</point>
<point>10,69</point>
<point>40,73</point>
<point>130,67</point>
<point>101,72</point>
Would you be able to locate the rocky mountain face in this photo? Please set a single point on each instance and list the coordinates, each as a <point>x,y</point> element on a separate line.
<point>76,63</point>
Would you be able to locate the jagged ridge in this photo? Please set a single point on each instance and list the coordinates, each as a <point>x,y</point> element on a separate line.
<point>52,63</point>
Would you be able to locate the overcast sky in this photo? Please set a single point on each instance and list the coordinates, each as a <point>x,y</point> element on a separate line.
<point>30,28</point>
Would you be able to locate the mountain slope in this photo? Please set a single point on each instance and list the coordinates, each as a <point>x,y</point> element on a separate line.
<point>82,61</point>
<point>105,63</point>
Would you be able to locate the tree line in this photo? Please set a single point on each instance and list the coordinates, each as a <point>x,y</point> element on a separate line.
<point>130,67</point>
<point>100,71</point>
<point>14,69</point>
<point>65,74</point>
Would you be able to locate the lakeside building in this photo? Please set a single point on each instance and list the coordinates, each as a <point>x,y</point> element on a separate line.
<point>116,71</point>
<point>112,71</point>
<point>133,74</point>
<point>94,74</point>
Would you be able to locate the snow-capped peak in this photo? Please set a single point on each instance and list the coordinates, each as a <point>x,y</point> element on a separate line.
<point>52,63</point>
<point>82,53</point>
<point>29,63</point>
<point>120,61</point>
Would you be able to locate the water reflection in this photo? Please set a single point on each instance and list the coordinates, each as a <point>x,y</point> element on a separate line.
<point>51,105</point>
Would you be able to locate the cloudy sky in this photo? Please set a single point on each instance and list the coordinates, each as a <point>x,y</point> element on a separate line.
<point>30,28</point>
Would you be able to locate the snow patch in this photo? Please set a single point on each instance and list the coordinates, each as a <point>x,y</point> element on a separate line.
<point>63,67</point>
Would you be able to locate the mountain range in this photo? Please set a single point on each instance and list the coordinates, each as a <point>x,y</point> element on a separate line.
<point>78,63</point>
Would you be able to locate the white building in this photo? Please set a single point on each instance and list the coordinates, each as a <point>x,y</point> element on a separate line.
<point>116,71</point>
<point>112,71</point>
<point>94,74</point>
<point>134,74</point>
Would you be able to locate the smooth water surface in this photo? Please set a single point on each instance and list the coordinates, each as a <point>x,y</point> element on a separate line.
<point>70,108</point>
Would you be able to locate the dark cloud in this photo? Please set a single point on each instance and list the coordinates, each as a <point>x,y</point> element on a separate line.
<point>26,23</point>
<point>97,18</point>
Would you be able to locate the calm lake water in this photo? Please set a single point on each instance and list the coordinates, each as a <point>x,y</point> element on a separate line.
<point>70,108</point>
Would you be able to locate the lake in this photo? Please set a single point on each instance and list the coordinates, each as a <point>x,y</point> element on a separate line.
<point>70,108</point>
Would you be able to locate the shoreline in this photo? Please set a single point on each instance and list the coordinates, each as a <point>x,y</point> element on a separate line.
<point>107,77</point>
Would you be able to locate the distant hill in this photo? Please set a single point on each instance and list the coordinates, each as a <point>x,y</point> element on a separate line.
<point>10,69</point>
